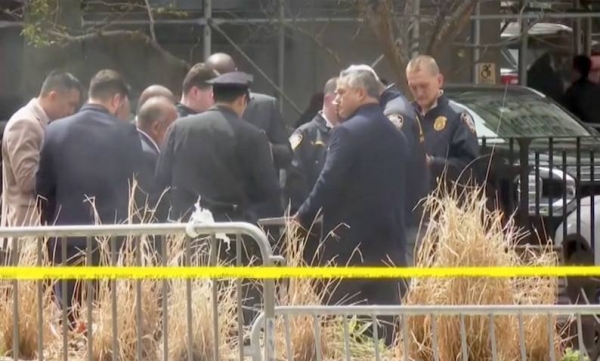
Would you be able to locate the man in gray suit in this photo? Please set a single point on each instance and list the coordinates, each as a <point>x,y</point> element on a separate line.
<point>262,112</point>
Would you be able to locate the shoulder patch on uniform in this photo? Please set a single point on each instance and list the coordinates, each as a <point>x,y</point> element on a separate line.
<point>468,119</point>
<point>397,120</point>
<point>440,123</point>
<point>295,140</point>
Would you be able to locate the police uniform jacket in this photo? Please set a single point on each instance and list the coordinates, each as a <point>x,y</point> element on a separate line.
<point>222,159</point>
<point>418,184</point>
<point>309,143</point>
<point>450,139</point>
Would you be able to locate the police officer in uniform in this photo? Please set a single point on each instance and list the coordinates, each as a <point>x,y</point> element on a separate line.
<point>309,143</point>
<point>216,156</point>
<point>450,136</point>
<point>222,161</point>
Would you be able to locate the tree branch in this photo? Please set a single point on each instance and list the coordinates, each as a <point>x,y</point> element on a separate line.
<point>379,18</point>
<point>445,28</point>
<point>134,35</point>
<point>151,18</point>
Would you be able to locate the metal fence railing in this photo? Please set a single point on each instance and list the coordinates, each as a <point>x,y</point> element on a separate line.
<point>548,183</point>
<point>131,317</point>
<point>468,318</point>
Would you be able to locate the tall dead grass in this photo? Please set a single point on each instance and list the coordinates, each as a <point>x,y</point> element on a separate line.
<point>460,234</point>
<point>467,234</point>
<point>302,344</point>
<point>132,330</point>
<point>28,307</point>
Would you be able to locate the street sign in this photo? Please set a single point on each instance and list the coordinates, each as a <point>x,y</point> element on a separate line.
<point>486,73</point>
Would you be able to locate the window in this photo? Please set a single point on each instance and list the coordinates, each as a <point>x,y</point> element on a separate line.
<point>517,114</point>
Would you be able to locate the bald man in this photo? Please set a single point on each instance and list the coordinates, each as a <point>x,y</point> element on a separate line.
<point>155,91</point>
<point>154,118</point>
<point>262,112</point>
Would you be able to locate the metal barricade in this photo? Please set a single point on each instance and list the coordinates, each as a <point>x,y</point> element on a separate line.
<point>140,235</point>
<point>575,314</point>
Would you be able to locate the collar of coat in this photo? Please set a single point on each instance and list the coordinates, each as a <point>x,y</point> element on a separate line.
<point>38,111</point>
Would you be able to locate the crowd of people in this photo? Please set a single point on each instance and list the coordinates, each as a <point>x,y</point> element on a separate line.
<point>353,176</point>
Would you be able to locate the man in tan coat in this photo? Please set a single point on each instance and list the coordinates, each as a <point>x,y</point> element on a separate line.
<point>59,97</point>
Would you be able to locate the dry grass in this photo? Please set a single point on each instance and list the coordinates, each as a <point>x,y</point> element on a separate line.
<point>299,292</point>
<point>461,235</point>
<point>468,235</point>
<point>200,292</point>
<point>28,308</point>
<point>128,325</point>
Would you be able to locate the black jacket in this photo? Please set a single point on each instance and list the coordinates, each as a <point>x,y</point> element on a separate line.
<point>150,151</point>
<point>87,164</point>
<point>309,143</point>
<point>418,183</point>
<point>361,188</point>
<point>184,111</point>
<point>263,112</point>
<point>360,193</point>
<point>583,99</point>
<point>217,156</point>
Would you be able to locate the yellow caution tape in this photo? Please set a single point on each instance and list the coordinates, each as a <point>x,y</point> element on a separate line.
<point>41,273</point>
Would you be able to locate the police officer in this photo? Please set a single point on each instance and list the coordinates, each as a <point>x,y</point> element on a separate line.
<point>217,156</point>
<point>222,161</point>
<point>402,114</point>
<point>309,143</point>
<point>450,137</point>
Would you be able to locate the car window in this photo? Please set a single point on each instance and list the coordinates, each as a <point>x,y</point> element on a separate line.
<point>518,114</point>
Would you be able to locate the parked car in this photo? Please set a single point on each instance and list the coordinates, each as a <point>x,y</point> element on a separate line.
<point>517,125</point>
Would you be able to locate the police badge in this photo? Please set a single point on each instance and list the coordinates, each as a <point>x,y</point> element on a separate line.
<point>468,119</point>
<point>295,140</point>
<point>440,123</point>
<point>397,120</point>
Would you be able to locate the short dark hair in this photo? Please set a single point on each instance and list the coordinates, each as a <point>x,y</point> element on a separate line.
<point>60,81</point>
<point>197,76</point>
<point>229,94</point>
<point>108,83</point>
<point>582,64</point>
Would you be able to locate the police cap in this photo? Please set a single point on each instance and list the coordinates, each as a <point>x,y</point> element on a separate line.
<point>233,80</point>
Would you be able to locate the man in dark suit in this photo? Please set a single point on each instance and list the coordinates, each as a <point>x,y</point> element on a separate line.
<point>154,118</point>
<point>87,164</point>
<point>262,111</point>
<point>360,193</point>
<point>221,161</point>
